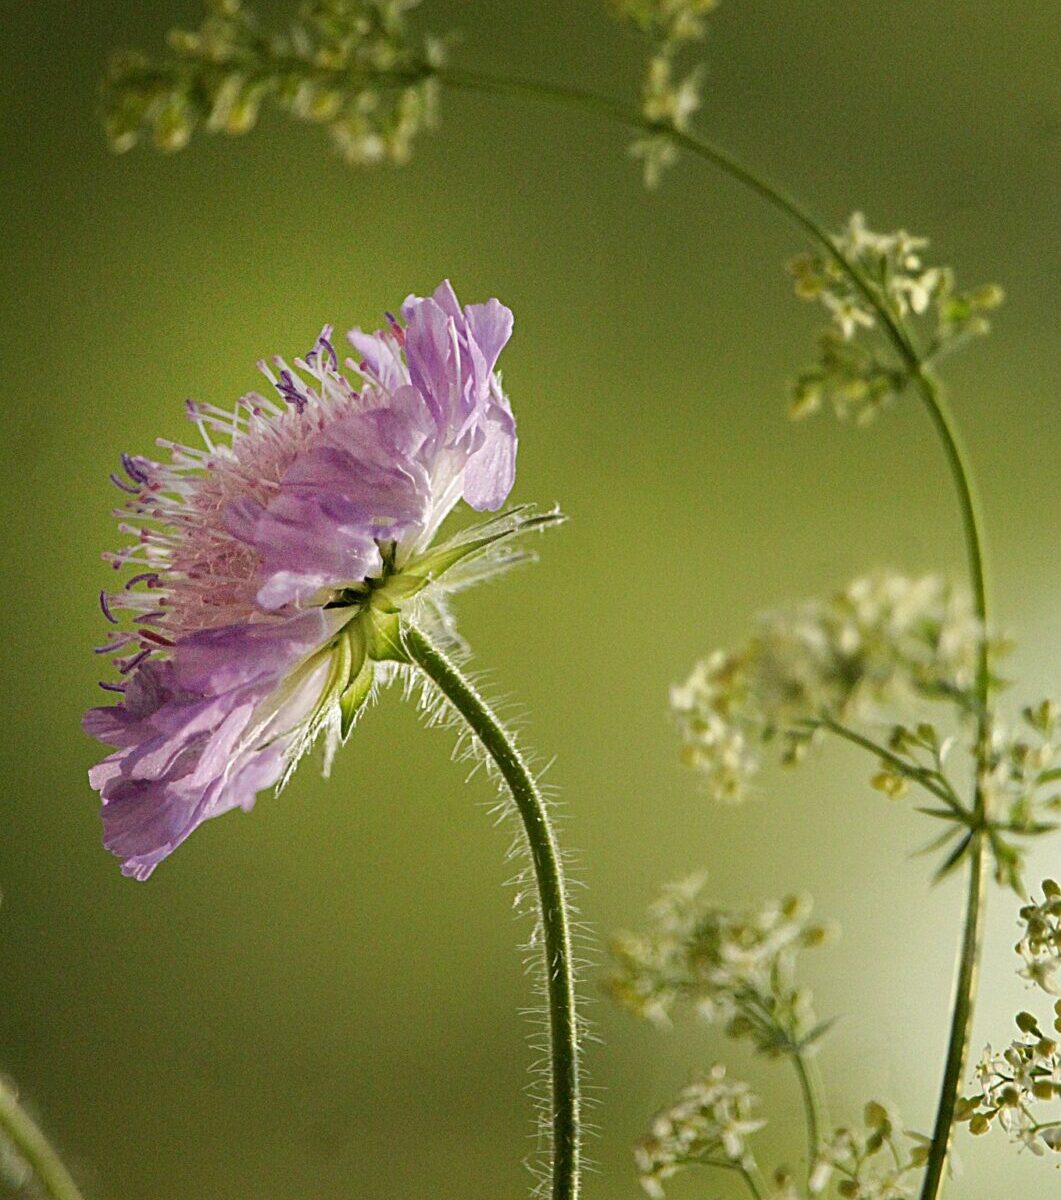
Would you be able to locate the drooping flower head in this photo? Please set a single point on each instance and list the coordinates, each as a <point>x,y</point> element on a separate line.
<point>273,563</point>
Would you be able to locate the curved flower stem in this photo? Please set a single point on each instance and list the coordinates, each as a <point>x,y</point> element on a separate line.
<point>946,431</point>
<point>943,424</point>
<point>939,415</point>
<point>555,918</point>
<point>33,1146</point>
<point>811,1105</point>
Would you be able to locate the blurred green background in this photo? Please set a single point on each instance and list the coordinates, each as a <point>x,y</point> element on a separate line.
<point>319,1000</point>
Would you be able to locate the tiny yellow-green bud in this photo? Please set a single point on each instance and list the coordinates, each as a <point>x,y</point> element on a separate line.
<point>979,1124</point>
<point>988,296</point>
<point>172,128</point>
<point>1026,1023</point>
<point>891,785</point>
<point>876,1115</point>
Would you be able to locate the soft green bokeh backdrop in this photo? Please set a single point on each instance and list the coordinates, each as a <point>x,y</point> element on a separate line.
<point>319,1000</point>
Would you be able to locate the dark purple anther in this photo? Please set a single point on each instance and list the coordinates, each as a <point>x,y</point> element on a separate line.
<point>156,638</point>
<point>105,606</point>
<point>112,687</point>
<point>396,329</point>
<point>134,469</point>
<point>125,487</point>
<point>131,664</point>
<point>288,389</point>
<point>148,577</point>
<point>325,341</point>
<point>118,641</point>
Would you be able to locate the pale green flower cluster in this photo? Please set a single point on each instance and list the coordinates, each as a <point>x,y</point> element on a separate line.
<point>858,371</point>
<point>1020,1087</point>
<point>670,92</point>
<point>1040,945</point>
<point>869,1163</point>
<point>886,639</point>
<point>1021,778</point>
<point>735,969</point>
<point>707,1125</point>
<point>351,66</point>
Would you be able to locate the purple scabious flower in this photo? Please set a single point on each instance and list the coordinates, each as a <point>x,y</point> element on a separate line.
<point>275,561</point>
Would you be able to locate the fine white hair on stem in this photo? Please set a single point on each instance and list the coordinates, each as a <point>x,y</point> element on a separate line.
<point>437,709</point>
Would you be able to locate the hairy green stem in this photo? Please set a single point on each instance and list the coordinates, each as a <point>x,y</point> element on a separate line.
<point>33,1146</point>
<point>555,918</point>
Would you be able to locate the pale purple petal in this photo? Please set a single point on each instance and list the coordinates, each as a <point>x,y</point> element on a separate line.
<point>491,470</point>
<point>489,327</point>
<point>203,732</point>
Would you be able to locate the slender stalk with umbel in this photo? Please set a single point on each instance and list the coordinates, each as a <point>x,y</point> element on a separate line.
<point>958,466</point>
<point>32,1146</point>
<point>555,918</point>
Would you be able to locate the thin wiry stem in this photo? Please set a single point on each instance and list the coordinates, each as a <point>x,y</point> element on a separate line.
<point>555,919</point>
<point>739,1169</point>
<point>928,389</point>
<point>749,1179</point>
<point>961,1018</point>
<point>34,1147</point>
<point>922,776</point>
<point>811,1106</point>
<point>957,462</point>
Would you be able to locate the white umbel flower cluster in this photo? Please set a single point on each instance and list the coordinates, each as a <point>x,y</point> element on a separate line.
<point>1020,1087</point>
<point>351,66</point>
<point>707,1125</point>
<point>1020,1090</point>
<point>670,93</point>
<point>737,969</point>
<point>885,640</point>
<point>869,1163</point>
<point>858,371</point>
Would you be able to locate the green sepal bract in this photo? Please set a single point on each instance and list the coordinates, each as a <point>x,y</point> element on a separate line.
<point>403,586</point>
<point>480,540</point>
<point>383,630</point>
<point>353,700</point>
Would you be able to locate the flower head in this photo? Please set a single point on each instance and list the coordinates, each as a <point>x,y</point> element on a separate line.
<point>351,66</point>
<point>709,1123</point>
<point>273,562</point>
<point>857,371</point>
<point>886,639</point>
<point>737,969</point>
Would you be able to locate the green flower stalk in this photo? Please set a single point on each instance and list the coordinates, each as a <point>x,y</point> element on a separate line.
<point>32,1151</point>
